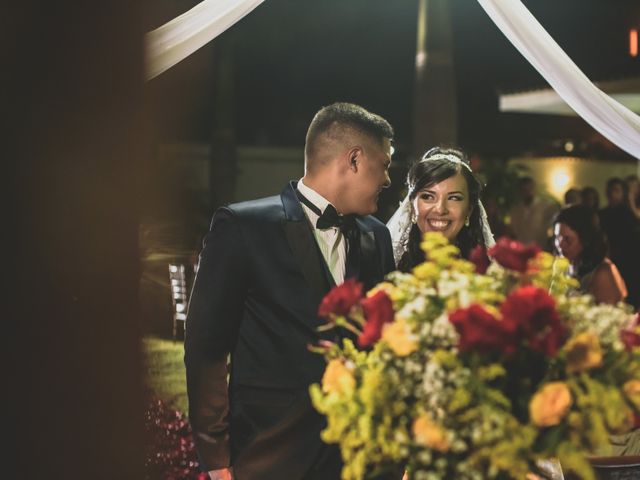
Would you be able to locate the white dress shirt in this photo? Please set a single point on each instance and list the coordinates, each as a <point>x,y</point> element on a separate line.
<point>331,241</point>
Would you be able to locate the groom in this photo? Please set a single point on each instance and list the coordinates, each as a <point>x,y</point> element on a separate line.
<point>264,268</point>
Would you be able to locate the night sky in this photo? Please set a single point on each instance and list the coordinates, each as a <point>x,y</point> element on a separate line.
<point>290,57</point>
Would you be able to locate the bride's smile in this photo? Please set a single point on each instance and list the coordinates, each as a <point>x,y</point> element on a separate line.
<point>443,207</point>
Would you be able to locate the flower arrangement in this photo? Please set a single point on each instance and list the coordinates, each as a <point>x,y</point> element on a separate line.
<point>475,370</point>
<point>170,453</point>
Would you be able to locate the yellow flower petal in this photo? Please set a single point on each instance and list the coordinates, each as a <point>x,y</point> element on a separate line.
<point>399,337</point>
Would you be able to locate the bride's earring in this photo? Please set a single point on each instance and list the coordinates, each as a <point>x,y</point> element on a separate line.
<point>414,217</point>
<point>466,222</point>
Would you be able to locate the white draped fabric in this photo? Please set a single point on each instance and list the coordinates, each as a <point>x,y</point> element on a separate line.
<point>179,38</point>
<point>610,118</point>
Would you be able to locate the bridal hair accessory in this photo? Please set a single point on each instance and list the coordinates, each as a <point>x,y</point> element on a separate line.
<point>444,156</point>
<point>440,156</point>
<point>401,221</point>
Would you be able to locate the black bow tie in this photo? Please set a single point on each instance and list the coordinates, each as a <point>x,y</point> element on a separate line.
<point>330,217</point>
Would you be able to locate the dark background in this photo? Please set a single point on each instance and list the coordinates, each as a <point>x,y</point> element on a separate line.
<point>82,130</point>
<point>289,57</point>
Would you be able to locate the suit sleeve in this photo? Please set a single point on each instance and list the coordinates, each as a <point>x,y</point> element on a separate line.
<point>215,311</point>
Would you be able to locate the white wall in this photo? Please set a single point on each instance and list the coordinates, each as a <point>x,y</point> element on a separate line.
<point>557,174</point>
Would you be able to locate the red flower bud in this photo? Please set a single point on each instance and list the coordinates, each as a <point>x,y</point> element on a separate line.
<point>630,336</point>
<point>341,298</point>
<point>533,310</point>
<point>480,331</point>
<point>479,257</point>
<point>378,310</point>
<point>513,255</point>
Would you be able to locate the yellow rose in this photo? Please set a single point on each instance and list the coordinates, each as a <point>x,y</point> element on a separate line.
<point>583,353</point>
<point>426,271</point>
<point>550,404</point>
<point>428,433</point>
<point>337,377</point>
<point>632,391</point>
<point>388,288</point>
<point>399,337</point>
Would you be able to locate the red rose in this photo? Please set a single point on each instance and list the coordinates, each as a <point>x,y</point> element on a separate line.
<point>533,310</point>
<point>479,257</point>
<point>341,298</point>
<point>378,310</point>
<point>630,337</point>
<point>513,255</point>
<point>479,330</point>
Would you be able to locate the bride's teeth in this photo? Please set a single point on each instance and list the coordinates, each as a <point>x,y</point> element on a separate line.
<point>439,223</point>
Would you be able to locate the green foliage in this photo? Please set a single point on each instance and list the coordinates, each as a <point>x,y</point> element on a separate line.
<point>165,372</point>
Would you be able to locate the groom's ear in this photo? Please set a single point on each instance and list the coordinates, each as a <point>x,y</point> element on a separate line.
<point>354,156</point>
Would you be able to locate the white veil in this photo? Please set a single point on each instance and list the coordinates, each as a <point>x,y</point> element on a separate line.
<point>400,223</point>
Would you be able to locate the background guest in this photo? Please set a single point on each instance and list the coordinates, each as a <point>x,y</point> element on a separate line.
<point>572,196</point>
<point>633,187</point>
<point>531,217</point>
<point>622,229</point>
<point>579,239</point>
<point>590,198</point>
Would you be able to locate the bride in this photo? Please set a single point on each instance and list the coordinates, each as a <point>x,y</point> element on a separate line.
<point>443,196</point>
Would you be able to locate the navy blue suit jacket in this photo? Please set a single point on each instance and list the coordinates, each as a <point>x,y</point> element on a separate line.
<point>260,280</point>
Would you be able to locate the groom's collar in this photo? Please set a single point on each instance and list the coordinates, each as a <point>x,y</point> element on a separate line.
<point>292,208</point>
<point>294,212</point>
<point>314,197</point>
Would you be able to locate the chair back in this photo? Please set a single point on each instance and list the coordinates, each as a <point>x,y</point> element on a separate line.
<point>179,294</point>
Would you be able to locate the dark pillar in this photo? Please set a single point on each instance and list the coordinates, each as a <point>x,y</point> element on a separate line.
<point>435,121</point>
<point>223,139</point>
<point>75,143</point>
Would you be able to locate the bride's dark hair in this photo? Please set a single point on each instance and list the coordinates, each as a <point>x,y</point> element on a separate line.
<point>430,171</point>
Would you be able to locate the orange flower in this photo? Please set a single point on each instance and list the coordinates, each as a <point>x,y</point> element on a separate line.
<point>632,391</point>
<point>399,337</point>
<point>337,377</point>
<point>550,404</point>
<point>428,433</point>
<point>583,353</point>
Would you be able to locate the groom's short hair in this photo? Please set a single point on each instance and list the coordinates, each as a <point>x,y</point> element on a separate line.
<point>336,123</point>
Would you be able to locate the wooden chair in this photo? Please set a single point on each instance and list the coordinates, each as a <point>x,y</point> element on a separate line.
<point>626,467</point>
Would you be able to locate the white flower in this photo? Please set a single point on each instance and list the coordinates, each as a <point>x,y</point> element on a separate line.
<point>452,283</point>
<point>415,307</point>
<point>604,321</point>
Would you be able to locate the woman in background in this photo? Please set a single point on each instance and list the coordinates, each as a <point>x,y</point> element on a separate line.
<point>579,239</point>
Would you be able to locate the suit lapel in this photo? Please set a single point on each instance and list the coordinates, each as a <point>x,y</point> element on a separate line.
<point>368,260</point>
<point>304,246</point>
